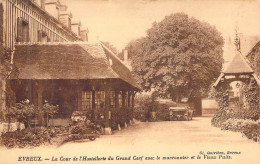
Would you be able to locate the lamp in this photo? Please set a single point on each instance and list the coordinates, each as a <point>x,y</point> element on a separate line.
<point>237,85</point>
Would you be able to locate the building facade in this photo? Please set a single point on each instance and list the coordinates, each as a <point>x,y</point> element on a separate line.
<point>34,21</point>
<point>51,63</point>
<point>37,21</point>
<point>254,57</point>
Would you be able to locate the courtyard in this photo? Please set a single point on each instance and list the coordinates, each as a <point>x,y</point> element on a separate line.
<point>146,142</point>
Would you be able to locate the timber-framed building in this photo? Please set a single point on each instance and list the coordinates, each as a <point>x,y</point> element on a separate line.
<point>52,63</point>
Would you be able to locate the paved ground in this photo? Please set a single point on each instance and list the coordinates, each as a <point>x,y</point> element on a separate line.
<point>176,139</point>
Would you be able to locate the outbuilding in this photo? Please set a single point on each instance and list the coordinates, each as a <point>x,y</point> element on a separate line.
<point>76,76</point>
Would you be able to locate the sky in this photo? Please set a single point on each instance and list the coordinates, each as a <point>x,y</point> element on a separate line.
<point>120,21</point>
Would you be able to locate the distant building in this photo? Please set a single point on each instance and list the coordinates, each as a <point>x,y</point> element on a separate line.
<point>32,21</point>
<point>209,107</point>
<point>254,57</point>
<point>37,21</point>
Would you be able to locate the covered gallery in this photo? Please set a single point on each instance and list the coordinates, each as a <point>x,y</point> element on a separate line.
<point>85,77</point>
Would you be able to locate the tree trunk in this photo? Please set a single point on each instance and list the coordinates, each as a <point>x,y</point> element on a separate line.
<point>28,124</point>
<point>47,119</point>
<point>9,124</point>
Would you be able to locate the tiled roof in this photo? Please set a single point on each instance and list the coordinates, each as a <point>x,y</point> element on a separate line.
<point>120,68</point>
<point>238,66</point>
<point>69,61</point>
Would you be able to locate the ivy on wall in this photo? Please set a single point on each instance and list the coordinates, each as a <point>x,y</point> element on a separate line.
<point>221,95</point>
<point>249,110</point>
<point>252,97</point>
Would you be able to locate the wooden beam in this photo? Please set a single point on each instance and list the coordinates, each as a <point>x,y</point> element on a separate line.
<point>257,79</point>
<point>128,98</point>
<point>133,99</point>
<point>218,80</point>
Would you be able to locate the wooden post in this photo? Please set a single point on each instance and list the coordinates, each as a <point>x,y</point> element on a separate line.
<point>133,104</point>
<point>107,111</point>
<point>133,99</point>
<point>93,103</point>
<point>129,99</point>
<point>123,98</point>
<point>79,97</point>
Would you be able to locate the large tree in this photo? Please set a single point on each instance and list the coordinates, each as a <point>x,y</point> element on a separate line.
<point>180,56</point>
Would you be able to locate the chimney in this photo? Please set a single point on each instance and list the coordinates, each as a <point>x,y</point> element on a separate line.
<point>40,3</point>
<point>65,16</point>
<point>84,35</point>
<point>125,56</point>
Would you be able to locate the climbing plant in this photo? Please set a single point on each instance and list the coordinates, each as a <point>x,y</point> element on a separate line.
<point>249,110</point>
<point>252,97</point>
<point>221,96</point>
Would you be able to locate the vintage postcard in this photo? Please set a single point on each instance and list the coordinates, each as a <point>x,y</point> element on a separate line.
<point>129,81</point>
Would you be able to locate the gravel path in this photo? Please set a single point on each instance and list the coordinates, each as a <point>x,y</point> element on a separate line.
<point>173,142</point>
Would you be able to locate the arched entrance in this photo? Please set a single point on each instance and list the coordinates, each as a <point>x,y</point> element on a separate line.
<point>234,100</point>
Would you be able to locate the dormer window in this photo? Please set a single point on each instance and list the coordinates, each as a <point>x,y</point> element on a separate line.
<point>40,3</point>
<point>52,7</point>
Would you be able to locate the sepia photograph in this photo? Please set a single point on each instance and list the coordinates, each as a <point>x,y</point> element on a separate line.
<point>130,81</point>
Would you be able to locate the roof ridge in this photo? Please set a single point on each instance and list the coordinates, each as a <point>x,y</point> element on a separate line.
<point>114,55</point>
<point>101,56</point>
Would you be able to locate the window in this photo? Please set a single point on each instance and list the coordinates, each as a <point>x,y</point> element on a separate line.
<point>112,99</point>
<point>120,100</point>
<point>22,30</point>
<point>42,37</point>
<point>86,100</point>
<point>100,99</point>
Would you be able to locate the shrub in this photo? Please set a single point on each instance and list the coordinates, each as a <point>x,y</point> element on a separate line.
<point>30,137</point>
<point>250,128</point>
<point>23,111</point>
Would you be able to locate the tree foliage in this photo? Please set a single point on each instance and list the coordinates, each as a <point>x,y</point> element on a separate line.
<point>180,56</point>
